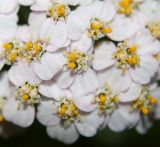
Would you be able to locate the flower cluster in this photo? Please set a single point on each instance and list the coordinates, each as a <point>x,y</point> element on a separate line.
<point>79,66</point>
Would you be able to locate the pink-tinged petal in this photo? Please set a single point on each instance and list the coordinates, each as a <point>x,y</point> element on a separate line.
<point>5,85</point>
<point>22,72</point>
<point>6,6</point>
<point>22,116</point>
<point>8,25</point>
<point>59,36</point>
<point>25,2</point>
<point>35,22</point>
<point>65,79</point>
<point>85,103</point>
<point>103,56</point>
<point>103,10</point>
<point>46,29</point>
<point>89,124</point>
<point>77,26</point>
<point>147,69</point>
<point>51,90</point>
<point>84,44</point>
<point>46,113</point>
<point>115,78</point>
<point>40,5</point>
<point>131,94</point>
<point>24,33</point>
<point>123,118</point>
<point>123,27</point>
<point>49,65</point>
<point>145,42</point>
<point>67,135</point>
<point>85,83</point>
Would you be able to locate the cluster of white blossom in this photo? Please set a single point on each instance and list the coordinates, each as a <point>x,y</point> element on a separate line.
<point>80,66</point>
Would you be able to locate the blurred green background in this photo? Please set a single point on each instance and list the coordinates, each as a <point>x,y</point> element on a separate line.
<point>36,134</point>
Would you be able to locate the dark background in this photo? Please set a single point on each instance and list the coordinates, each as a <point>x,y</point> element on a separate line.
<point>36,134</point>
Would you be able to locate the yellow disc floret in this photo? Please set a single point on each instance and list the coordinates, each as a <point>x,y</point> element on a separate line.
<point>77,61</point>
<point>145,103</point>
<point>154,28</point>
<point>127,7</point>
<point>28,93</point>
<point>98,29</point>
<point>58,11</point>
<point>126,56</point>
<point>67,110</point>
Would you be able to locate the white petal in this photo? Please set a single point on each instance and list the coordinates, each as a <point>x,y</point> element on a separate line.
<point>123,118</point>
<point>77,26</point>
<point>115,78</point>
<point>147,69</point>
<point>23,117</point>
<point>25,2</point>
<point>103,56</point>
<point>131,94</point>
<point>123,28</point>
<point>84,44</point>
<point>49,65</point>
<point>51,90</point>
<point>5,85</point>
<point>7,6</point>
<point>8,25</point>
<point>46,114</point>
<point>65,79</point>
<point>85,103</point>
<point>59,36</point>
<point>85,83</point>
<point>66,135</point>
<point>40,5</point>
<point>89,124</point>
<point>22,72</point>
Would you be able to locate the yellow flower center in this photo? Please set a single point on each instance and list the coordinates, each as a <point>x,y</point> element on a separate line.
<point>11,51</point>
<point>67,110</point>
<point>77,61</point>
<point>58,11</point>
<point>106,100</point>
<point>28,93</point>
<point>98,29</point>
<point>127,7</point>
<point>145,102</point>
<point>33,50</point>
<point>154,28</point>
<point>126,57</point>
<point>26,97</point>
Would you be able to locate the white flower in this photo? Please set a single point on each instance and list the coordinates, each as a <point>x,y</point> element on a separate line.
<point>94,21</point>
<point>136,113</point>
<point>132,60</point>
<point>108,100</point>
<point>63,119</point>
<point>128,20</point>
<point>35,49</point>
<point>54,17</point>
<point>77,73</point>
<point>20,109</point>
